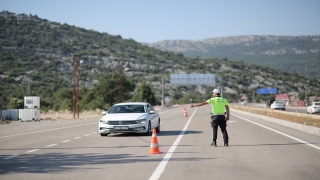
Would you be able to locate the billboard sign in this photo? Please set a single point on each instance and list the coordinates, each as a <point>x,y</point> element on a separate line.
<point>301,103</point>
<point>282,96</point>
<point>267,91</point>
<point>193,79</point>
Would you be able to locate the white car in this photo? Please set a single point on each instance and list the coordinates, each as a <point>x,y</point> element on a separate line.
<point>313,107</point>
<point>244,103</point>
<point>278,105</point>
<point>130,117</point>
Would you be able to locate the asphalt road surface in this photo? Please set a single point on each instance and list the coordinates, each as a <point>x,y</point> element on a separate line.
<point>73,149</point>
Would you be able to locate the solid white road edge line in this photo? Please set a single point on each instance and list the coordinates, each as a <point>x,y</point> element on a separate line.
<point>32,150</point>
<point>51,145</point>
<point>299,140</point>
<point>47,130</point>
<point>157,173</point>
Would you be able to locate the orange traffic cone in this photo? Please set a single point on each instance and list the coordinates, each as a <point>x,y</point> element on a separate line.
<point>185,113</point>
<point>154,148</point>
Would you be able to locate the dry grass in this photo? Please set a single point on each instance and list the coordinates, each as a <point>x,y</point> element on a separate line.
<point>68,115</point>
<point>310,120</point>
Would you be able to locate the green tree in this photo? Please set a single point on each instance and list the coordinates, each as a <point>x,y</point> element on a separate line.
<point>107,90</point>
<point>15,103</point>
<point>63,99</point>
<point>144,93</point>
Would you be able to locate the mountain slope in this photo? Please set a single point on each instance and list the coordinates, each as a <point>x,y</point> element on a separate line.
<point>36,60</point>
<point>296,54</point>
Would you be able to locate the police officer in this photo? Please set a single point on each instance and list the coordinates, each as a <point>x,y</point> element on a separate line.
<point>220,108</point>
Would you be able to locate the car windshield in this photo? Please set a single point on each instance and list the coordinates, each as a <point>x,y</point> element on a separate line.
<point>128,109</point>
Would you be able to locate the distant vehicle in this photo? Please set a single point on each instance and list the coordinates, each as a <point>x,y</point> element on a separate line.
<point>130,117</point>
<point>244,102</point>
<point>313,107</point>
<point>278,105</point>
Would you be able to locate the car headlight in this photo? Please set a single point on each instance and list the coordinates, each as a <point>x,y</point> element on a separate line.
<point>103,121</point>
<point>140,121</point>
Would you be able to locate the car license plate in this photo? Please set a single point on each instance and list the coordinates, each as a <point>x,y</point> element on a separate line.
<point>121,127</point>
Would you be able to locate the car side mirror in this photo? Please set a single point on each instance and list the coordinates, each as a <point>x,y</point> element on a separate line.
<point>152,112</point>
<point>104,113</point>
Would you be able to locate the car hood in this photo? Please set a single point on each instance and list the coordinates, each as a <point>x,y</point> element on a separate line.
<point>124,116</point>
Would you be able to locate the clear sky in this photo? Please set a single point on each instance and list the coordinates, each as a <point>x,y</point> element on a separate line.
<point>155,20</point>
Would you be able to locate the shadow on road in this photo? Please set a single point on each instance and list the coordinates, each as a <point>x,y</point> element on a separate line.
<point>61,162</point>
<point>162,133</point>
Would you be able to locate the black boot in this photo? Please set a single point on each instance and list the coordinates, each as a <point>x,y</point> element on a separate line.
<point>214,143</point>
<point>225,143</point>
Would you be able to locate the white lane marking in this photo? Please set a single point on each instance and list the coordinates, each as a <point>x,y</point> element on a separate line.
<point>94,133</point>
<point>87,135</point>
<point>157,173</point>
<point>51,145</point>
<point>34,150</point>
<point>10,157</point>
<point>77,138</point>
<point>65,141</point>
<point>231,121</point>
<point>166,111</point>
<point>294,138</point>
<point>47,130</point>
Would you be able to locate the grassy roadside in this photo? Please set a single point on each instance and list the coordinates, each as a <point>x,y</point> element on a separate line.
<point>306,119</point>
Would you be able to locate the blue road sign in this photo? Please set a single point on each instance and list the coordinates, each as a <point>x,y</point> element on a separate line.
<point>267,91</point>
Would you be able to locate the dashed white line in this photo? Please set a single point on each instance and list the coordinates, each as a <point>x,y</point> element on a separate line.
<point>166,111</point>
<point>94,133</point>
<point>51,145</point>
<point>87,135</point>
<point>9,157</point>
<point>77,137</point>
<point>34,150</point>
<point>48,130</point>
<point>66,141</point>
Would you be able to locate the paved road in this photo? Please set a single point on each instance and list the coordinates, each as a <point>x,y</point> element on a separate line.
<point>74,150</point>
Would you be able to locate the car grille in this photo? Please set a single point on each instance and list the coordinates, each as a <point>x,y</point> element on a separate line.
<point>121,122</point>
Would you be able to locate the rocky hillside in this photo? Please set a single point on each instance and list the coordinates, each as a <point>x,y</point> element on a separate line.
<point>297,54</point>
<point>35,56</point>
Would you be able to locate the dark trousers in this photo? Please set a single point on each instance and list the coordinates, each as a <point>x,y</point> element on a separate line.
<point>219,120</point>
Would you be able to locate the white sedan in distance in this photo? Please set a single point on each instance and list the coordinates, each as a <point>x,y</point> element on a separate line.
<point>313,107</point>
<point>130,117</point>
<point>278,105</point>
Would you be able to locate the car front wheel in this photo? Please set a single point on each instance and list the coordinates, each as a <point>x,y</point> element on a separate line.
<point>158,127</point>
<point>148,133</point>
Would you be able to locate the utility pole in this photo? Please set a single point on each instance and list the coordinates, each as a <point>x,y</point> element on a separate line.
<point>221,86</point>
<point>162,101</point>
<point>75,98</point>
<point>121,83</point>
<point>307,88</point>
<point>252,96</point>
